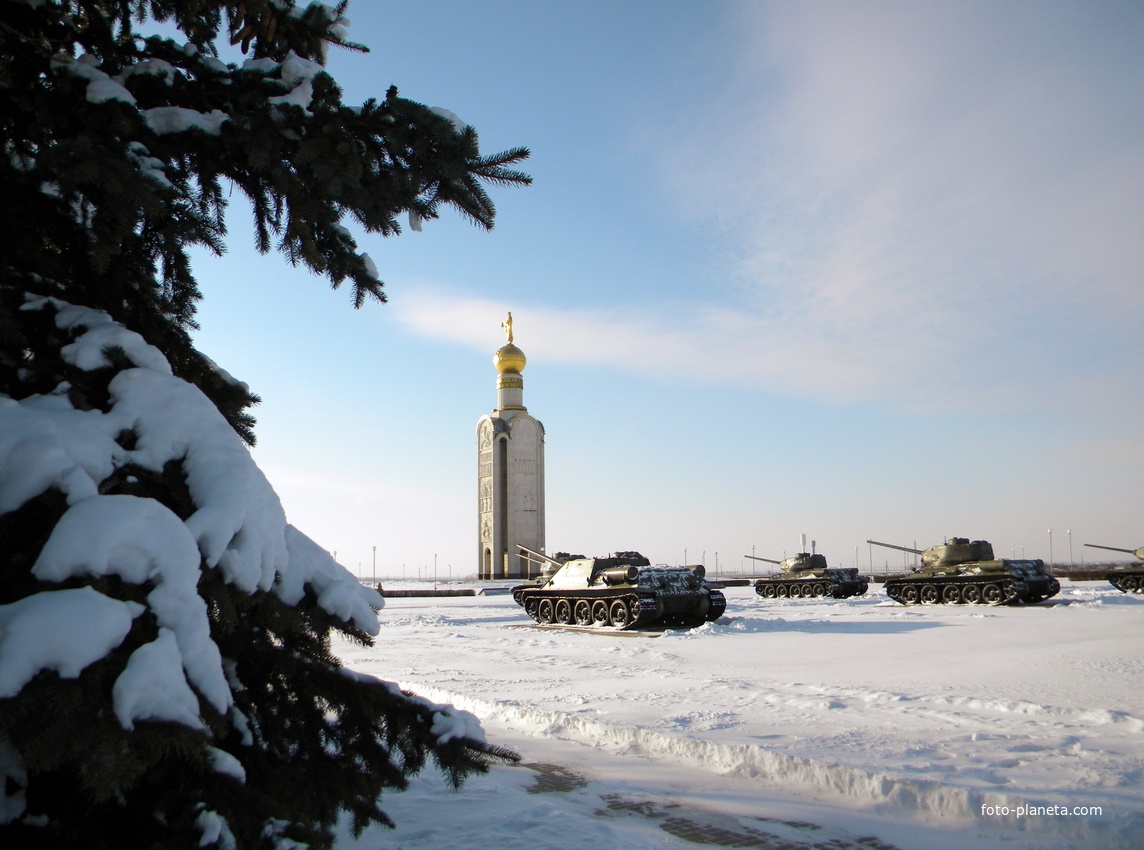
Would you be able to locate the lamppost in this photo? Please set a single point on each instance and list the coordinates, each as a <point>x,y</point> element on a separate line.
<point>1068,531</point>
<point>375,563</point>
<point>1050,550</point>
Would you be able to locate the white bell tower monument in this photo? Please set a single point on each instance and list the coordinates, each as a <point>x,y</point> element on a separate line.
<point>510,472</point>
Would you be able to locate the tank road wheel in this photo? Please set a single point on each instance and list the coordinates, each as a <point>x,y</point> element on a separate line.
<point>971,594</point>
<point>530,608</point>
<point>563,612</point>
<point>545,612</point>
<point>992,593</point>
<point>951,594</point>
<point>619,614</point>
<point>1129,584</point>
<point>599,613</point>
<point>822,589</point>
<point>796,591</point>
<point>910,594</point>
<point>928,594</point>
<point>782,591</point>
<point>769,591</point>
<point>582,612</point>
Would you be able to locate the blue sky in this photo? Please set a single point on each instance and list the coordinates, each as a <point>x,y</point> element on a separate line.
<point>845,269</point>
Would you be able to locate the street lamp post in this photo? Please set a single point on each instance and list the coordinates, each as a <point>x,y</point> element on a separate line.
<point>1068,531</point>
<point>1050,550</point>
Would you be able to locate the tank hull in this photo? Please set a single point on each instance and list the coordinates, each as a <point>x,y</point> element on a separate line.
<point>1130,580</point>
<point>996,583</point>
<point>619,608</point>
<point>817,584</point>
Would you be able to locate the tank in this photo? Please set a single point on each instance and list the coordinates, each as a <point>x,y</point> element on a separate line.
<point>962,571</point>
<point>1127,579</point>
<point>808,576</point>
<point>621,591</point>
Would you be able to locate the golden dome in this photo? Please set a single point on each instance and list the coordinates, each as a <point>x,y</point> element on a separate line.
<point>509,360</point>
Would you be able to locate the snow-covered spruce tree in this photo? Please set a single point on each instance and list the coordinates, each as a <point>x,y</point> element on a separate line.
<point>166,677</point>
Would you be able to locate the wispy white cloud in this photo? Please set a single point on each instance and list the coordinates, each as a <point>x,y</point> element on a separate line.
<point>707,344</point>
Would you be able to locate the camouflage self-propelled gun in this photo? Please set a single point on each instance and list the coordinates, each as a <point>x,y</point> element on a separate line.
<point>1127,579</point>
<point>807,575</point>
<point>622,591</point>
<point>964,571</point>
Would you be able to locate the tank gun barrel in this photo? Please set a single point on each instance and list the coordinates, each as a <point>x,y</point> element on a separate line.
<point>757,558</point>
<point>1110,548</point>
<point>895,546</point>
<point>528,551</point>
<point>1139,553</point>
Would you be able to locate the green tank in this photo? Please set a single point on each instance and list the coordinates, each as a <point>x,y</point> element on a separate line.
<point>962,571</point>
<point>1127,579</point>
<point>807,576</point>
<point>621,591</point>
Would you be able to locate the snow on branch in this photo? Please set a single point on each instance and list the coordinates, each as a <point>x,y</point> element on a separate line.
<point>238,526</point>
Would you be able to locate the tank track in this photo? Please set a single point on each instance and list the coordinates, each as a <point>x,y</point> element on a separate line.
<point>1127,581</point>
<point>810,588</point>
<point>619,609</point>
<point>969,590</point>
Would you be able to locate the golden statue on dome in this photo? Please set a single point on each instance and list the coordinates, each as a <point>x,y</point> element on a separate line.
<point>509,359</point>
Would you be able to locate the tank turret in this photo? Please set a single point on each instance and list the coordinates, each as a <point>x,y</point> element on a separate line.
<point>621,591</point>
<point>807,575</point>
<point>964,571</point>
<point>1129,579</point>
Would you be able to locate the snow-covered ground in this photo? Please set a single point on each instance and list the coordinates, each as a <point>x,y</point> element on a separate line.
<point>787,723</point>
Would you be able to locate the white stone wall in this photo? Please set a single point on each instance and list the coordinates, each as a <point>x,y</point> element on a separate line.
<point>525,489</point>
<point>510,491</point>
